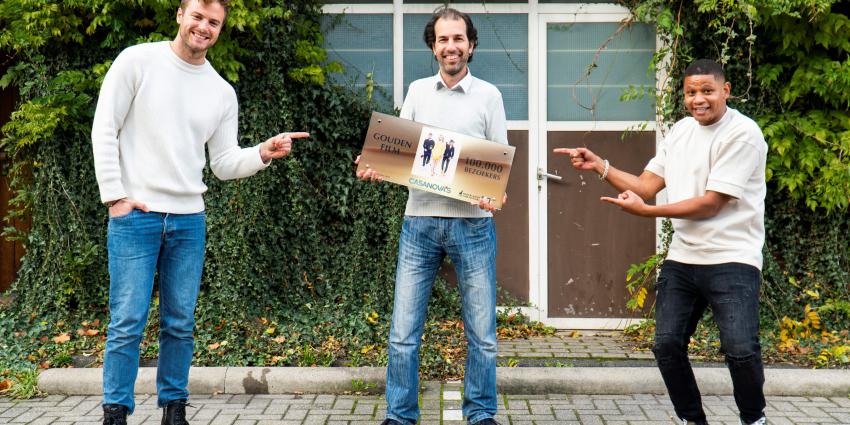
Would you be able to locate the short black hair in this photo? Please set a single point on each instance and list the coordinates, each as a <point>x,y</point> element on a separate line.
<point>444,12</point>
<point>705,67</point>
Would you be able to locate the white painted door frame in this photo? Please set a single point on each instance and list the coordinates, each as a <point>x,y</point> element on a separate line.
<point>538,146</point>
<point>539,15</point>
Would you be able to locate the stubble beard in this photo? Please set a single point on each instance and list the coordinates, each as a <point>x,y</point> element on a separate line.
<point>195,51</point>
<point>452,70</point>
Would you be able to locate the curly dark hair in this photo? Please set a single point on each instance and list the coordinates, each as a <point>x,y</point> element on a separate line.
<point>443,12</point>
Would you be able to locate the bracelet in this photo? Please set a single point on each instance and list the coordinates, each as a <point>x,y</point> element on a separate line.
<point>604,174</point>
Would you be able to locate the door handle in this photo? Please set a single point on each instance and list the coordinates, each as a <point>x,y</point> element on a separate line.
<point>543,175</point>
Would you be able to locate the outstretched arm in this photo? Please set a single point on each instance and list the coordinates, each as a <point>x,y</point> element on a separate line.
<point>279,146</point>
<point>696,208</point>
<point>647,185</point>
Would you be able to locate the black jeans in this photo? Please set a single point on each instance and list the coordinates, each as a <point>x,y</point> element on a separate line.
<point>683,292</point>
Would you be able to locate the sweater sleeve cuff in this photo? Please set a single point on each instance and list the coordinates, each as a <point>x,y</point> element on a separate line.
<point>260,165</point>
<point>112,194</point>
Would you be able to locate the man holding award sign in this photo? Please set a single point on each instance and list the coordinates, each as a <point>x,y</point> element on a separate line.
<point>436,225</point>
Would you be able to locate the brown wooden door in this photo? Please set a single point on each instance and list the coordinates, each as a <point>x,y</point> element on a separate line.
<point>10,252</point>
<point>591,244</point>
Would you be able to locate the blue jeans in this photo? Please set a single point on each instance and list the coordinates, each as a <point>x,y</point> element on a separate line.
<point>471,245</point>
<point>683,293</point>
<point>141,244</point>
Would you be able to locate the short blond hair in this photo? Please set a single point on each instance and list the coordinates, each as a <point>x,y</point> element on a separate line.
<point>224,3</point>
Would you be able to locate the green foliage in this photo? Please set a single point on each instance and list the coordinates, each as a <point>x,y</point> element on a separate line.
<point>300,258</point>
<point>303,244</point>
<point>25,385</point>
<point>640,278</point>
<point>789,65</point>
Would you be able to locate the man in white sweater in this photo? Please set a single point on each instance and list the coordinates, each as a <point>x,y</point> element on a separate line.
<point>160,105</point>
<point>713,167</point>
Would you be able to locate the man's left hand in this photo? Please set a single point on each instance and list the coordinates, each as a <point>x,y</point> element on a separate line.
<point>485,204</point>
<point>629,201</point>
<point>279,146</point>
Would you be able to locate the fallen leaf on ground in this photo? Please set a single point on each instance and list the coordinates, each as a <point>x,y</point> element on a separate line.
<point>62,338</point>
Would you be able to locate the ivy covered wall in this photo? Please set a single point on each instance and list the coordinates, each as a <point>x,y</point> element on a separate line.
<point>301,257</point>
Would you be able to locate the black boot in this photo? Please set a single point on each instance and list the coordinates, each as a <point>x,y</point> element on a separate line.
<point>174,413</point>
<point>115,414</point>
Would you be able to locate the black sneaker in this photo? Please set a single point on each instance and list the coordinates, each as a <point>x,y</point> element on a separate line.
<point>391,422</point>
<point>487,421</point>
<point>115,414</point>
<point>174,413</point>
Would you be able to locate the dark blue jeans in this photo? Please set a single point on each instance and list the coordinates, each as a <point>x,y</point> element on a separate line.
<point>424,242</point>
<point>683,292</point>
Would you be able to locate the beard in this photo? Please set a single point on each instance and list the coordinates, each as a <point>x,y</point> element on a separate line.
<point>457,67</point>
<point>194,46</point>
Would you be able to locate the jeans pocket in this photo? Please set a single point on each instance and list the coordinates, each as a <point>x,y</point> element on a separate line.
<point>122,217</point>
<point>660,282</point>
<point>476,222</point>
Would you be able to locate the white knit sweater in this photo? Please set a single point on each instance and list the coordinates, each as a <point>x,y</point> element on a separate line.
<point>154,116</point>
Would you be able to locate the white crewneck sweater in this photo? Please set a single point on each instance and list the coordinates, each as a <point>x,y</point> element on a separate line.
<point>154,115</point>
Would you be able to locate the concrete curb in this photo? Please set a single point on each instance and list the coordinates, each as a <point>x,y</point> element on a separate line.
<point>521,380</point>
<point>647,380</point>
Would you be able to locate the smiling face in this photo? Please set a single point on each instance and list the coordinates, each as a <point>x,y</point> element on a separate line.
<point>200,25</point>
<point>452,48</point>
<point>705,97</point>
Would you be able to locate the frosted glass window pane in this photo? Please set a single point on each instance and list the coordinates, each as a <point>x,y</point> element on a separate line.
<point>501,57</point>
<point>362,43</point>
<point>573,94</point>
<point>468,1</point>
<point>578,1</point>
<point>358,1</point>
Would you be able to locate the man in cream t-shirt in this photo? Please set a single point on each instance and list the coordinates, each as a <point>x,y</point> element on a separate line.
<point>713,167</point>
<point>161,107</point>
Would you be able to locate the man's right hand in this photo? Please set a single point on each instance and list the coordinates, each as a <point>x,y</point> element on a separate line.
<point>124,206</point>
<point>582,159</point>
<point>368,174</point>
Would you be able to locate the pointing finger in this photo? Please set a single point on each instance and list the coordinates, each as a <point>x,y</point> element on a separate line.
<point>297,135</point>
<point>565,151</point>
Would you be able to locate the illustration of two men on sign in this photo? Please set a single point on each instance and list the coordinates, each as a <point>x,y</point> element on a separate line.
<point>436,157</point>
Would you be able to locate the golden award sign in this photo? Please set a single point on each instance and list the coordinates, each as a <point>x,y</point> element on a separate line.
<point>436,160</point>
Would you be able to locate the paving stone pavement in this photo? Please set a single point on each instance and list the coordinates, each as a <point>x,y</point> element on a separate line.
<point>440,404</point>
<point>567,344</point>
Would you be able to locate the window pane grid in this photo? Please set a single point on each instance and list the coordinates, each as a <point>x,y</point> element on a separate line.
<point>591,65</point>
<point>360,42</point>
<point>501,59</point>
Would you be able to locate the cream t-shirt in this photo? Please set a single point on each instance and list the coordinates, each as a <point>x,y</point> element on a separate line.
<point>727,157</point>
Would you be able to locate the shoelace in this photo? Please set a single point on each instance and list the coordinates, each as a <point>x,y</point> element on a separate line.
<point>114,416</point>
<point>180,412</point>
